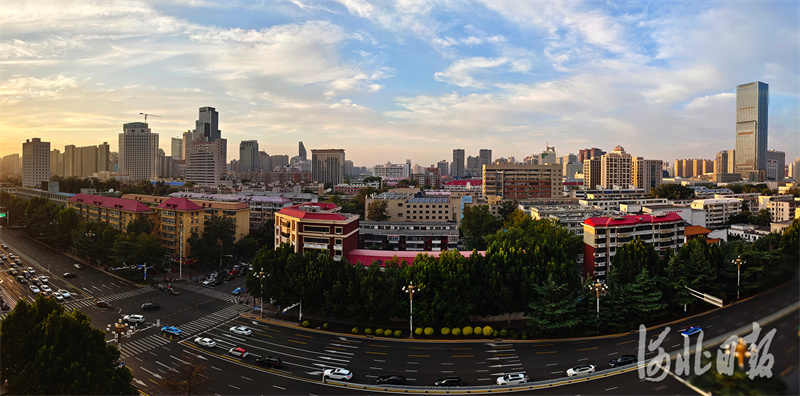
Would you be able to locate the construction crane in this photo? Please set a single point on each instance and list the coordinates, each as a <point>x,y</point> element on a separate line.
<point>151,115</point>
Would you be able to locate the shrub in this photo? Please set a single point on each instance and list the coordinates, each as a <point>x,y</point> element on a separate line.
<point>379,332</point>
<point>429,331</point>
<point>355,330</point>
<point>525,335</point>
<point>456,331</point>
<point>418,331</point>
<point>467,330</point>
<point>445,331</point>
<point>305,323</point>
<point>477,330</point>
<point>325,326</point>
<point>487,331</point>
<point>514,335</point>
<point>367,331</point>
<point>398,333</point>
<point>504,333</point>
<point>495,333</point>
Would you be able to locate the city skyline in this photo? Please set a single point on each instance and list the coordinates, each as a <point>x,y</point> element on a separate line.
<point>389,81</point>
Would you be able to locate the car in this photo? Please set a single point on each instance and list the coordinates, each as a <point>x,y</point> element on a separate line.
<point>77,265</point>
<point>241,330</point>
<point>135,318</point>
<point>391,380</point>
<point>206,342</point>
<point>237,291</point>
<point>21,279</point>
<point>103,304</point>
<point>233,271</point>
<point>691,331</point>
<point>512,379</point>
<point>171,330</point>
<point>148,306</point>
<point>64,293</point>
<point>337,374</point>
<point>14,266</point>
<point>44,279</point>
<point>16,273</point>
<point>238,352</point>
<point>34,289</point>
<point>31,270</point>
<point>47,288</point>
<point>622,360</point>
<point>4,257</point>
<point>449,381</point>
<point>57,296</point>
<point>581,370</point>
<point>70,275</point>
<point>209,281</point>
<point>26,274</point>
<point>269,361</point>
<point>18,262</point>
<point>5,246</point>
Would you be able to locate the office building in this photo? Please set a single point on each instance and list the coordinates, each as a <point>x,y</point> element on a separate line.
<point>776,164</point>
<point>317,227</point>
<point>11,164</point>
<point>392,171</point>
<point>752,108</point>
<point>176,149</point>
<point>511,181</point>
<point>589,153</point>
<point>248,156</point>
<point>457,169</point>
<point>405,236</point>
<point>327,166</point>
<point>206,151</point>
<point>138,153</point>
<point>616,169</point>
<point>486,158</point>
<point>35,162</point>
<point>302,151</point>
<point>591,173</point>
<point>443,168</point>
<point>647,174</point>
<point>56,163</point>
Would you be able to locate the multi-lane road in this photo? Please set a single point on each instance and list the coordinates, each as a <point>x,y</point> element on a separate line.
<point>210,312</point>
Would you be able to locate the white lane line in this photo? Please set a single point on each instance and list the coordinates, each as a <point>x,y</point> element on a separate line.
<point>247,378</point>
<point>555,372</point>
<point>580,360</point>
<point>676,345</point>
<point>412,362</point>
<point>379,360</point>
<point>555,364</point>
<point>481,371</point>
<point>484,379</point>
<point>447,371</point>
<point>411,371</point>
<point>216,368</point>
<point>376,368</point>
<point>611,389</point>
<point>236,387</point>
<point>279,387</point>
<point>613,353</point>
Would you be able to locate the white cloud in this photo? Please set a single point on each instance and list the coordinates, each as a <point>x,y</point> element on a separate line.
<point>16,89</point>
<point>460,72</point>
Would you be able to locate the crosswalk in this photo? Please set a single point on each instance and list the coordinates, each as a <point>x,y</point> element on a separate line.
<point>209,292</point>
<point>130,348</point>
<point>86,302</point>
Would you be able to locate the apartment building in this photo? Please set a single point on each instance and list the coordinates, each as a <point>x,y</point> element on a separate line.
<point>717,211</point>
<point>317,227</point>
<point>116,212</point>
<point>415,236</point>
<point>781,211</point>
<point>602,236</point>
<point>511,181</point>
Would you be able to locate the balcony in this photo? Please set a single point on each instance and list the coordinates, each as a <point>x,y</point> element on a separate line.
<point>321,246</point>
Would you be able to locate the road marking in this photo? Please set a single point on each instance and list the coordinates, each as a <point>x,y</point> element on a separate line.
<point>611,389</point>
<point>613,353</point>
<point>378,346</point>
<point>412,362</point>
<point>504,354</point>
<point>587,349</point>
<point>379,360</point>
<point>555,372</point>
<point>447,364</point>
<point>265,335</point>
<point>338,349</point>
<point>411,371</point>
<point>788,369</point>
<point>419,355</point>
<point>792,348</point>
<point>377,353</point>
<point>463,356</point>
<point>676,345</point>
<point>620,343</point>
<point>581,342</point>
<point>247,378</point>
<point>538,345</point>
<point>236,387</point>
<point>303,335</point>
<point>375,368</point>
<point>580,360</point>
<point>660,387</point>
<point>279,387</point>
<point>713,317</point>
<point>447,372</point>
<point>216,368</point>
<point>297,342</point>
<point>538,353</point>
<point>481,371</point>
<point>459,349</point>
<point>551,364</point>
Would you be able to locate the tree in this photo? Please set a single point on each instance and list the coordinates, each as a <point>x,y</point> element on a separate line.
<point>476,225</point>
<point>141,225</point>
<point>216,242</point>
<point>554,311</point>
<point>47,351</point>
<point>672,191</point>
<point>739,383</point>
<point>507,209</point>
<point>189,378</point>
<point>378,210</point>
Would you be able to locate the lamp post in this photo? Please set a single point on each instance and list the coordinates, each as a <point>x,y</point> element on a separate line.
<point>180,258</point>
<point>598,288</point>
<point>119,329</point>
<point>410,290</point>
<point>91,235</point>
<point>262,275</point>
<point>738,263</point>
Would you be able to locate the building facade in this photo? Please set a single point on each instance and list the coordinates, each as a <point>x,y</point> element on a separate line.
<point>616,169</point>
<point>522,181</point>
<point>317,227</point>
<point>35,162</point>
<point>206,150</point>
<point>647,174</point>
<point>327,166</point>
<point>718,211</point>
<point>116,212</point>
<point>138,153</point>
<point>776,165</point>
<point>248,156</point>
<point>457,169</point>
<point>752,108</point>
<point>403,236</point>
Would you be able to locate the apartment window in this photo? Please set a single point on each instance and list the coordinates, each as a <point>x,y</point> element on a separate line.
<point>338,230</point>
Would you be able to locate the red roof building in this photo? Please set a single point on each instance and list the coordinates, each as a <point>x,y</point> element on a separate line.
<point>116,212</point>
<point>380,257</point>
<point>602,236</point>
<point>317,226</point>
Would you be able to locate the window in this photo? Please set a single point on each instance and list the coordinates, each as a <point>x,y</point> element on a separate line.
<point>338,230</point>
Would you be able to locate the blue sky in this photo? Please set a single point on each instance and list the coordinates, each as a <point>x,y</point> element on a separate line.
<point>392,80</point>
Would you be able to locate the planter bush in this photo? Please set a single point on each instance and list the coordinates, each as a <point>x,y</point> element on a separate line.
<point>495,333</point>
<point>504,333</point>
<point>445,331</point>
<point>418,331</point>
<point>379,332</point>
<point>305,323</point>
<point>487,331</point>
<point>355,330</point>
<point>467,331</point>
<point>514,335</point>
<point>398,333</point>
<point>367,331</point>
<point>477,331</point>
<point>326,326</point>
<point>456,331</point>
<point>429,331</point>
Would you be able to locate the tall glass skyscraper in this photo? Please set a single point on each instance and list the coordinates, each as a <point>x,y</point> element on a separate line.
<point>752,107</point>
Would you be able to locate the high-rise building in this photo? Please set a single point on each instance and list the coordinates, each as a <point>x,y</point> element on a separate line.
<point>265,161</point>
<point>549,156</point>
<point>349,168</point>
<point>457,168</point>
<point>647,173</point>
<point>206,151</point>
<point>56,163</point>
<point>302,151</point>
<point>591,173</point>
<point>512,181</point>
<point>616,169</point>
<point>486,158</point>
<point>589,153</point>
<point>248,156</point>
<point>474,165</point>
<point>721,162</point>
<point>35,162</point>
<point>776,164</point>
<point>11,164</point>
<point>327,166</point>
<point>752,108</point>
<point>138,152</point>
<point>443,168</point>
<point>176,149</point>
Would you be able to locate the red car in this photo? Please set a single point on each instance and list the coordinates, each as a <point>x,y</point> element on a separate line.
<point>238,352</point>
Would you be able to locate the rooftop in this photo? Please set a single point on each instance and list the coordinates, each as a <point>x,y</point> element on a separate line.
<point>379,257</point>
<point>316,211</point>
<point>631,220</point>
<point>127,205</point>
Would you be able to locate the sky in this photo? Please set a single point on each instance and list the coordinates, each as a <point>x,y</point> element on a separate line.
<point>396,80</point>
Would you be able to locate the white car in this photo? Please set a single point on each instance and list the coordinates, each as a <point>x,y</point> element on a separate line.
<point>31,270</point>
<point>64,293</point>
<point>34,289</point>
<point>581,370</point>
<point>47,289</point>
<point>241,330</point>
<point>338,374</point>
<point>58,297</point>
<point>134,318</point>
<point>512,379</point>
<point>44,279</point>
<point>206,342</point>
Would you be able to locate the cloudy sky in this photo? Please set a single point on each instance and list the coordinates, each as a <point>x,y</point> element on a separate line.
<point>391,80</point>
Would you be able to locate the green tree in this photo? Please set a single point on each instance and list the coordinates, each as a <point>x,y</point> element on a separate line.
<point>476,225</point>
<point>215,245</point>
<point>142,224</point>
<point>47,351</point>
<point>630,259</point>
<point>672,191</point>
<point>507,209</point>
<point>377,211</point>
<point>555,309</point>
<point>245,249</point>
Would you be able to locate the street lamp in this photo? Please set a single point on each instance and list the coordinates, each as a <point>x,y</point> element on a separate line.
<point>91,235</point>
<point>410,290</point>
<point>119,330</point>
<point>738,263</point>
<point>598,288</point>
<point>261,275</point>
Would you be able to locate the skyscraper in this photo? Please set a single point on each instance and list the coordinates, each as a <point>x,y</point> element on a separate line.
<point>206,151</point>
<point>752,107</point>
<point>486,157</point>
<point>443,167</point>
<point>776,165</point>
<point>327,166</point>
<point>248,156</point>
<point>302,151</point>
<point>176,149</point>
<point>616,169</point>
<point>138,152</point>
<point>457,168</point>
<point>35,162</point>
